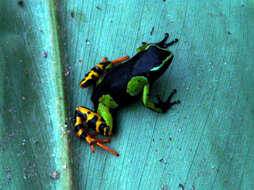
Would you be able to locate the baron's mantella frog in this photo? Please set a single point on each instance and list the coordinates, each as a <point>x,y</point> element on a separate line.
<point>117,85</point>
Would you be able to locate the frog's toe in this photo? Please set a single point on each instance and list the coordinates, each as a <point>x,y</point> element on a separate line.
<point>171,95</point>
<point>170,104</point>
<point>94,141</point>
<point>167,104</point>
<point>172,42</point>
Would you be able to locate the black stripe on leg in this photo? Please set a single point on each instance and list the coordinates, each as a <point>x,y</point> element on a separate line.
<point>92,122</point>
<point>82,115</point>
<point>101,128</point>
<point>83,135</point>
<point>107,131</point>
<point>97,70</point>
<point>78,127</point>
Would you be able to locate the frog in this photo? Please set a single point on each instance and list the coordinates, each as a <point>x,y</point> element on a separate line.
<point>118,83</point>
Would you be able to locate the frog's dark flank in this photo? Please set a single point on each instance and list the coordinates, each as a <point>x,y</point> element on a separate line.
<point>117,84</point>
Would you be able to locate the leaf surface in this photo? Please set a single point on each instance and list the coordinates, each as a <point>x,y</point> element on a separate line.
<point>46,48</point>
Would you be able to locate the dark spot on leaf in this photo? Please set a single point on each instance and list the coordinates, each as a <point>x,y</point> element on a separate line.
<point>151,33</point>
<point>54,174</point>
<point>21,3</point>
<point>45,55</point>
<point>181,185</point>
<point>72,14</point>
<point>97,7</point>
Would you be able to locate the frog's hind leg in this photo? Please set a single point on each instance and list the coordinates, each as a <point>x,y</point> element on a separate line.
<point>86,117</point>
<point>96,72</point>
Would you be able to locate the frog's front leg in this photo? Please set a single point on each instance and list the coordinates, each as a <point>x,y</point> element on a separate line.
<point>104,112</point>
<point>106,104</point>
<point>86,119</point>
<point>95,73</point>
<point>160,106</point>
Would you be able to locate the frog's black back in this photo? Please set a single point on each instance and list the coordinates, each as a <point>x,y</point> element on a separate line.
<point>116,80</point>
<point>114,84</point>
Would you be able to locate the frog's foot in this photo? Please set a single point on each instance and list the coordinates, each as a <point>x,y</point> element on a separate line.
<point>165,38</point>
<point>167,104</point>
<point>163,43</point>
<point>92,141</point>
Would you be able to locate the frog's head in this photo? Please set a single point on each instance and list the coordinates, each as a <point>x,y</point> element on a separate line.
<point>162,44</point>
<point>143,47</point>
<point>156,57</point>
<point>161,61</point>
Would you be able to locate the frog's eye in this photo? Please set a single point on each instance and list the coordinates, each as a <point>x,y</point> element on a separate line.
<point>143,47</point>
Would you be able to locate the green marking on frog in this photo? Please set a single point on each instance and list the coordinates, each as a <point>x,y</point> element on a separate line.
<point>136,85</point>
<point>108,101</point>
<point>163,63</point>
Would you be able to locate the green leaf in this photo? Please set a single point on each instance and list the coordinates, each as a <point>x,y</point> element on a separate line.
<point>33,135</point>
<point>46,48</point>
